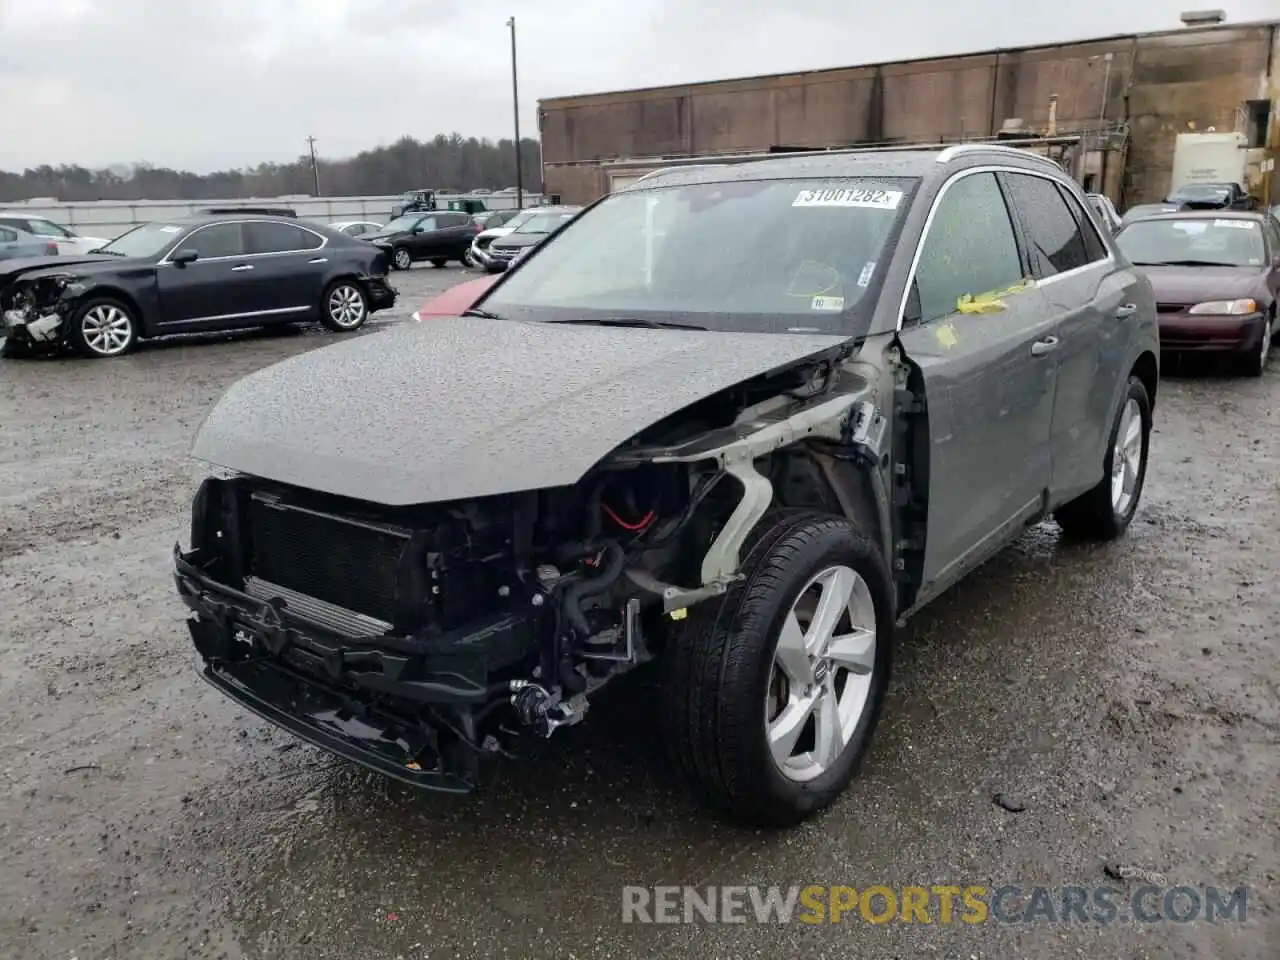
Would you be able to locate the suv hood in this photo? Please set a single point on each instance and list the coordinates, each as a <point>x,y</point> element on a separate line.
<point>516,240</point>
<point>468,407</point>
<point>493,233</point>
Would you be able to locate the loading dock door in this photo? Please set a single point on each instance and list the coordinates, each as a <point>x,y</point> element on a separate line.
<point>619,180</point>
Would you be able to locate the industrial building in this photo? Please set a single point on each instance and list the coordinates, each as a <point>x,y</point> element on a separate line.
<point>1110,109</point>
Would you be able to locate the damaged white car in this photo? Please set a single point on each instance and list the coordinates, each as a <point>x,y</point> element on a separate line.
<point>738,419</point>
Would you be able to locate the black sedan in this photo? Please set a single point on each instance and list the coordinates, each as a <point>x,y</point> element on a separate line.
<point>186,276</point>
<point>437,237</point>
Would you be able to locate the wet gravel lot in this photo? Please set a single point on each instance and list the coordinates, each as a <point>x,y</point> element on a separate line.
<point>1127,698</point>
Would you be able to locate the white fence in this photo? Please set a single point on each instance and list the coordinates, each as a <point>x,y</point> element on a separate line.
<point>110,218</point>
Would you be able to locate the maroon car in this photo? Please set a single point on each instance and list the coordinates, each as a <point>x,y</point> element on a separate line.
<point>1216,276</point>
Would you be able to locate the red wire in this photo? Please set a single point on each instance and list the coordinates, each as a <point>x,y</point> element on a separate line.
<point>633,527</point>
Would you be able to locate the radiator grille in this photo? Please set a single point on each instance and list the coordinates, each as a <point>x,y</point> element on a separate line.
<point>341,562</point>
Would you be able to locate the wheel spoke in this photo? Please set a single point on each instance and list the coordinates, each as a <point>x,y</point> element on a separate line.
<point>833,604</point>
<point>856,651</point>
<point>828,739</point>
<point>785,730</point>
<point>1133,438</point>
<point>791,654</point>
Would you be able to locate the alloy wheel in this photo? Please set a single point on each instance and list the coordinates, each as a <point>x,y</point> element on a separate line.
<point>821,680</point>
<point>1126,458</point>
<point>346,306</point>
<point>107,330</point>
<point>403,260</point>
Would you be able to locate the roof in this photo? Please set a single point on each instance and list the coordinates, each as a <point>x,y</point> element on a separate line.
<point>1255,215</point>
<point>868,162</point>
<point>195,219</point>
<point>1114,38</point>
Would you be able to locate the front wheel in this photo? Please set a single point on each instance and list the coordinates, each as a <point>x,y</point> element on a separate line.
<point>103,328</point>
<point>344,307</point>
<point>402,259</point>
<point>772,693</point>
<point>467,260</point>
<point>1104,513</point>
<point>1255,362</point>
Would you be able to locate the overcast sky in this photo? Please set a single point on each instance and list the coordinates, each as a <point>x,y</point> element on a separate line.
<point>211,84</point>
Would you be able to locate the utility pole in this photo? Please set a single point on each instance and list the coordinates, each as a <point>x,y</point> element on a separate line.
<point>315,164</point>
<point>515,99</point>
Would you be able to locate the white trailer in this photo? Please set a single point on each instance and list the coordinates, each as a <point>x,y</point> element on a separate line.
<point>1208,158</point>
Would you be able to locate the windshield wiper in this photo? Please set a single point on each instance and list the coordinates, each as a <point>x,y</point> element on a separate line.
<point>631,322</point>
<point>1184,263</point>
<point>482,314</point>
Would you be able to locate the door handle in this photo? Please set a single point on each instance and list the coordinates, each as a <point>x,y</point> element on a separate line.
<point>1041,347</point>
<point>243,266</point>
<point>319,260</point>
<point>1125,311</point>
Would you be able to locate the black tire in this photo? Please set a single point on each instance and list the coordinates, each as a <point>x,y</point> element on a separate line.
<point>1094,515</point>
<point>401,258</point>
<point>718,667</point>
<point>438,262</point>
<point>344,306</point>
<point>103,328</point>
<point>1254,363</point>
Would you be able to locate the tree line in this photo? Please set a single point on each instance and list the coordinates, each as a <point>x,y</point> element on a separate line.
<point>446,162</point>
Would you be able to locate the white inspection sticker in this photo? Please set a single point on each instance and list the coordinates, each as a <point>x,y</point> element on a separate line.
<point>852,197</point>
<point>1237,224</point>
<point>864,278</point>
<point>828,303</point>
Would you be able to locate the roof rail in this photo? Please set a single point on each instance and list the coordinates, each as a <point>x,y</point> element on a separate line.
<point>956,150</point>
<point>671,169</point>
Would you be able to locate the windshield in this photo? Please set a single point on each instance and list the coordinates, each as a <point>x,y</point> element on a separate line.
<point>544,222</point>
<point>792,256</point>
<point>1213,192</point>
<point>47,228</point>
<point>403,223</point>
<point>1218,242</point>
<point>147,240</point>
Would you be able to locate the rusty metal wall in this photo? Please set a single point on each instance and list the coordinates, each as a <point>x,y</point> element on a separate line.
<point>1162,82</point>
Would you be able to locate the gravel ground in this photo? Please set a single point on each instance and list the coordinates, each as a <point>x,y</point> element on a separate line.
<point>1126,697</point>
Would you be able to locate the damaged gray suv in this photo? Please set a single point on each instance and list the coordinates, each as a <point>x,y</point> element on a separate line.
<point>740,419</point>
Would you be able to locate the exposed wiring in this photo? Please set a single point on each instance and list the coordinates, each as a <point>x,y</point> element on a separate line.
<point>641,524</point>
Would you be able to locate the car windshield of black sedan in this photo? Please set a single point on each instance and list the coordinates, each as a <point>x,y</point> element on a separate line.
<point>1200,241</point>
<point>779,256</point>
<point>148,240</point>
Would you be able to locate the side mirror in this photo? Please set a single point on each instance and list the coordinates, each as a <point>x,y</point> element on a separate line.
<point>183,257</point>
<point>419,229</point>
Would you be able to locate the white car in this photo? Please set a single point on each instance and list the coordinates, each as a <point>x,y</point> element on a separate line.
<point>69,242</point>
<point>356,228</point>
<point>479,252</point>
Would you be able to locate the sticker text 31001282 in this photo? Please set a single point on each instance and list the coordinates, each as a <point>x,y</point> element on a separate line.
<point>850,197</point>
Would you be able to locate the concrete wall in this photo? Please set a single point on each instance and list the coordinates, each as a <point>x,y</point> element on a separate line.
<point>109,218</point>
<point>1163,81</point>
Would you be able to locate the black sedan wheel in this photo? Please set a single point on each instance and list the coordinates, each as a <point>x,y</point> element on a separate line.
<point>402,259</point>
<point>345,307</point>
<point>103,328</point>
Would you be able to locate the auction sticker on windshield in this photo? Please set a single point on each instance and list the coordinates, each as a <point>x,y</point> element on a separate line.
<point>1237,224</point>
<point>852,197</point>
<point>828,303</point>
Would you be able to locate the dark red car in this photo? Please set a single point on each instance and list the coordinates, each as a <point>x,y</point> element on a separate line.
<point>1216,276</point>
<point>454,301</point>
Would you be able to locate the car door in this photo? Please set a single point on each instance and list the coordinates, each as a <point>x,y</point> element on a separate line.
<point>458,230</point>
<point>289,269</point>
<point>1271,231</point>
<point>423,239</point>
<point>10,247</point>
<point>978,331</point>
<point>1094,305</point>
<point>209,293</point>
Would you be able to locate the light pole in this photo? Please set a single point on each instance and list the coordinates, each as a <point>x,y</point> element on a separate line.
<point>515,100</point>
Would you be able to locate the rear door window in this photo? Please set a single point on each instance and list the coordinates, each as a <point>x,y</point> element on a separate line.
<point>1053,233</point>
<point>268,237</point>
<point>1094,247</point>
<point>970,248</point>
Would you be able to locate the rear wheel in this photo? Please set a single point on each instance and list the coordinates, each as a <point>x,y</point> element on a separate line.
<point>402,259</point>
<point>1104,513</point>
<point>103,328</point>
<point>344,307</point>
<point>773,692</point>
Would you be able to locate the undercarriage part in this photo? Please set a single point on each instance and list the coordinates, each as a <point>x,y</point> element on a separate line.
<point>542,712</point>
